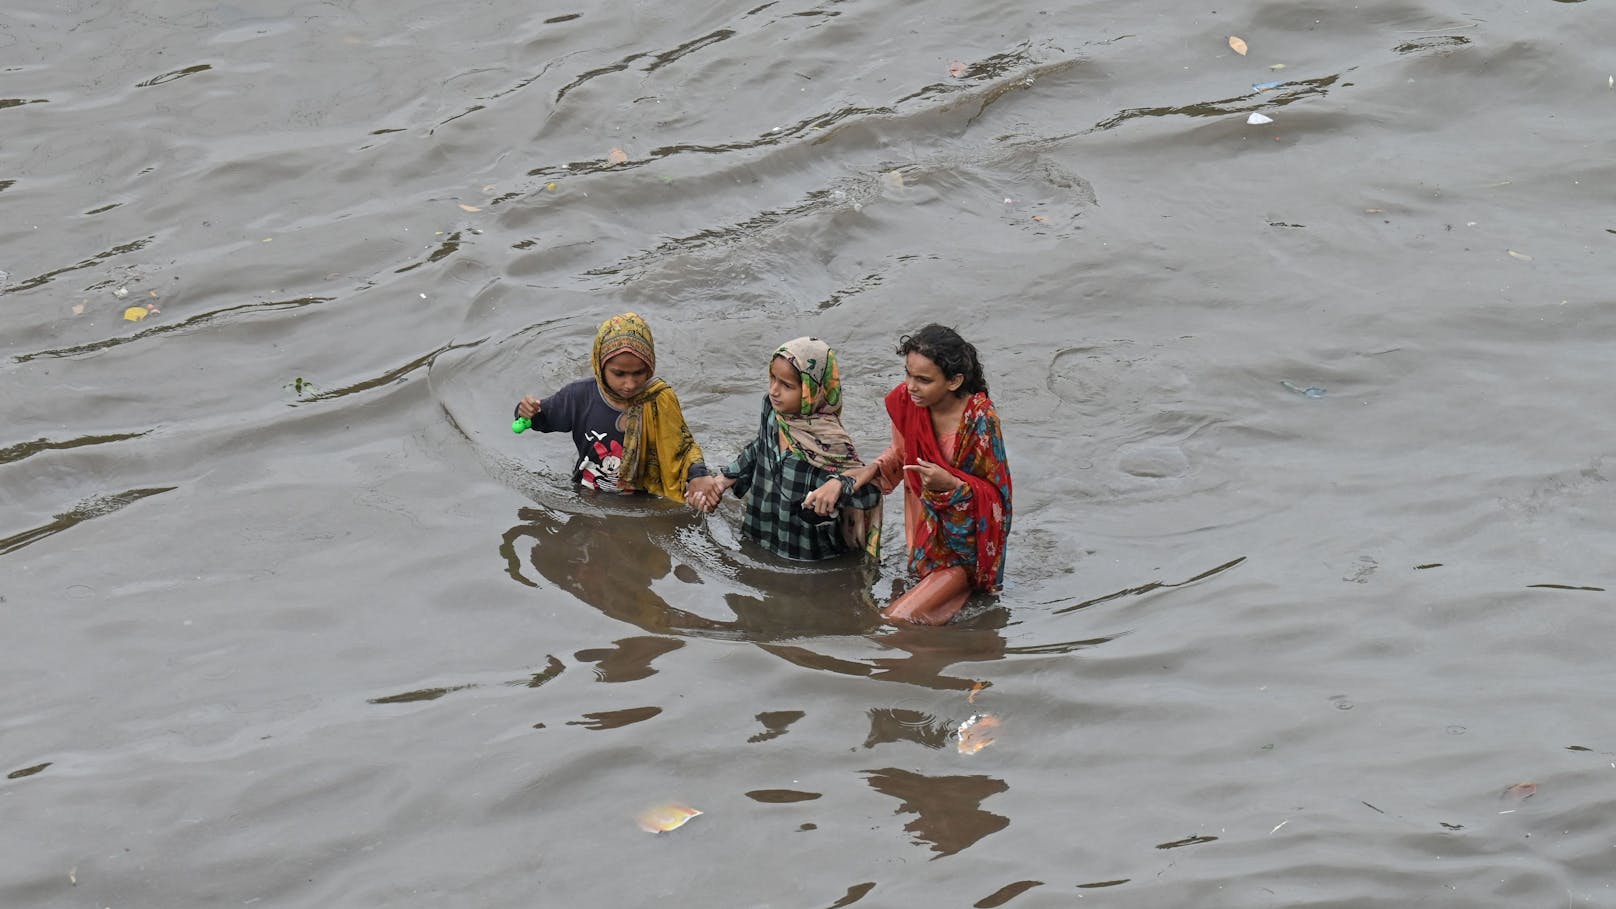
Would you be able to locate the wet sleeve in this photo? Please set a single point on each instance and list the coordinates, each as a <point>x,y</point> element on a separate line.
<point>742,469</point>
<point>867,496</point>
<point>561,411</point>
<point>889,465</point>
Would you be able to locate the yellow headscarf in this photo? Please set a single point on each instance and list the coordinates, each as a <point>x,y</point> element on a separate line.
<point>658,448</point>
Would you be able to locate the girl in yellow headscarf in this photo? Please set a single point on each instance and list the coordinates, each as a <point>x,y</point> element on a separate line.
<point>626,423</point>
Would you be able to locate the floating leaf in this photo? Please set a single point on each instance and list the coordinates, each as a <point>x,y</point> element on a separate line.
<point>1520,791</point>
<point>135,313</point>
<point>664,818</point>
<point>976,733</point>
<point>465,207</point>
<point>956,69</point>
<point>1237,44</point>
<point>976,687</point>
<point>617,156</point>
<point>1519,255</point>
<point>1257,119</point>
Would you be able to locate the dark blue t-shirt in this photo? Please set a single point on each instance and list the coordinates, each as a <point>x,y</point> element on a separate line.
<point>597,433</point>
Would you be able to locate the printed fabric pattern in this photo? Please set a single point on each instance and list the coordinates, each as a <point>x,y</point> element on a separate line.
<point>658,449</point>
<point>968,526</point>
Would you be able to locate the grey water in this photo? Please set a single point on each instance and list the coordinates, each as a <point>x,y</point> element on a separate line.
<point>291,618</point>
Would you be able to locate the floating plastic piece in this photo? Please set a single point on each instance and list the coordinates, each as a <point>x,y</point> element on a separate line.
<point>1519,255</point>
<point>617,156</point>
<point>976,733</point>
<point>135,313</point>
<point>1238,45</point>
<point>665,818</point>
<point>1257,119</point>
<point>1520,791</point>
<point>121,292</point>
<point>1312,391</point>
<point>465,207</point>
<point>1265,86</point>
<point>956,69</point>
<point>1276,66</point>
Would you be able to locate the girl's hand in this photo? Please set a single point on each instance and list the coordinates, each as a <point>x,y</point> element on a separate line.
<point>933,477</point>
<point>861,476</point>
<point>823,500</point>
<point>704,493</point>
<point>527,407</point>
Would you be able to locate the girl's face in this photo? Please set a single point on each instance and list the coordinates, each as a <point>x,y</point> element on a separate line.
<point>626,374</point>
<point>785,387</point>
<point>927,385</point>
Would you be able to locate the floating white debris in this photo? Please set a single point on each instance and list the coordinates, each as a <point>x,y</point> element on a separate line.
<point>1257,119</point>
<point>666,818</point>
<point>976,733</point>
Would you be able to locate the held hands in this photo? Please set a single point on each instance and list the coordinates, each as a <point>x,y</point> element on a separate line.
<point>527,407</point>
<point>704,493</point>
<point>933,477</point>
<point>823,500</point>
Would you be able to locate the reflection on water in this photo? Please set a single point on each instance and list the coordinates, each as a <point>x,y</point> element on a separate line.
<point>948,808</point>
<point>775,723</point>
<point>616,719</point>
<point>1005,894</point>
<point>628,659</point>
<point>611,570</point>
<point>630,566</point>
<point>892,724</point>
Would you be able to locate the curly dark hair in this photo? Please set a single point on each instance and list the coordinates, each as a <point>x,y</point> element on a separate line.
<point>954,355</point>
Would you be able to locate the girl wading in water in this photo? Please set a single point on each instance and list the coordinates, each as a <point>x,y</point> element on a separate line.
<point>800,502</point>
<point>948,453</point>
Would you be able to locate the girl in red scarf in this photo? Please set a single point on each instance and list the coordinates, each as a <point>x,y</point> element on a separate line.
<point>948,452</point>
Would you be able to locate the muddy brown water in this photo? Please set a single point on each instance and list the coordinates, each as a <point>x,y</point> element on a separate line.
<point>292,618</point>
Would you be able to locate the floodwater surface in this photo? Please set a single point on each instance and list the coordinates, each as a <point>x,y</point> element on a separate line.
<point>1308,599</point>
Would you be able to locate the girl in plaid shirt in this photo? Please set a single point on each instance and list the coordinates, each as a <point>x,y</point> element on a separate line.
<point>799,504</point>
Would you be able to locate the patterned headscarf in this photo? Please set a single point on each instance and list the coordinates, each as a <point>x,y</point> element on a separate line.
<point>657,446</point>
<point>619,334</point>
<point>816,432</point>
<point>816,435</point>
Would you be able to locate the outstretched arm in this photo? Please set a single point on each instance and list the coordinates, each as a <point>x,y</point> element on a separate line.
<point>886,471</point>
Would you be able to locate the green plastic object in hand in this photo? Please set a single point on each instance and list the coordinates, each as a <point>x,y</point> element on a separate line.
<point>522,424</point>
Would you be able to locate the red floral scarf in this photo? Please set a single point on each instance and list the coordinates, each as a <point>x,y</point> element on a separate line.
<point>979,460</point>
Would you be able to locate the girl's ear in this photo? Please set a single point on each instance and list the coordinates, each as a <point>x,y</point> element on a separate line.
<point>955,382</point>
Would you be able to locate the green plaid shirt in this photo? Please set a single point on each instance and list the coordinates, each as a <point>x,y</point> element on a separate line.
<point>775,482</point>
